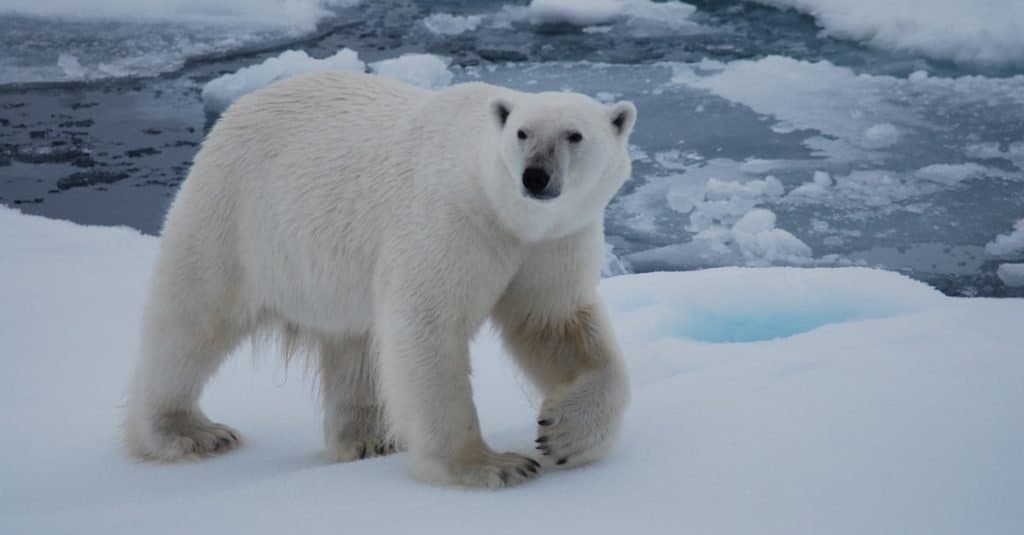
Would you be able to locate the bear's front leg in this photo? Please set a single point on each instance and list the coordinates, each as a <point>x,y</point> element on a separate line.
<point>424,367</point>
<point>577,364</point>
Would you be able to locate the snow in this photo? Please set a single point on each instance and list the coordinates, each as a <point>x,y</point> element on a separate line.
<point>447,24</point>
<point>422,70</point>
<point>976,31</point>
<point>768,400</point>
<point>1008,245</point>
<point>1011,274</point>
<point>220,92</point>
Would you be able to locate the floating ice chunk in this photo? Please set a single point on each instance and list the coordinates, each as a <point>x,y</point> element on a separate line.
<point>447,24</point>
<point>71,67</point>
<point>642,17</point>
<point>819,187</point>
<point>1014,152</point>
<point>422,70</point>
<point>220,92</point>
<point>576,12</point>
<point>613,264</point>
<point>950,174</point>
<point>721,189</point>
<point>760,242</point>
<point>1011,274</point>
<point>880,136</point>
<point>1008,245</point>
<point>653,18</point>
<point>979,31</point>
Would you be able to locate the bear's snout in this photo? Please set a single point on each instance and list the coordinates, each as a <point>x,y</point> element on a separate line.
<point>537,183</point>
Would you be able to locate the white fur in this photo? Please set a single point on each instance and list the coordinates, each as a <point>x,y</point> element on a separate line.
<point>382,225</point>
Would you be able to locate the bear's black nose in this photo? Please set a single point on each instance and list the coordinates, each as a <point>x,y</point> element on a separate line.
<point>535,180</point>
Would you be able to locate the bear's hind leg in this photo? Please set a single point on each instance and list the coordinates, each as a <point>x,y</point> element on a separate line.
<point>354,421</point>
<point>188,331</point>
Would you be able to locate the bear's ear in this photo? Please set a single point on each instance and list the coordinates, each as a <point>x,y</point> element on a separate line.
<point>500,108</point>
<point>623,117</point>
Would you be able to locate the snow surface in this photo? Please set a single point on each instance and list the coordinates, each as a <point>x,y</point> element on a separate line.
<point>769,400</point>
<point>220,92</point>
<point>970,31</point>
<point>424,70</point>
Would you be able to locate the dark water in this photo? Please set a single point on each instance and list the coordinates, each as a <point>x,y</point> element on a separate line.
<point>113,151</point>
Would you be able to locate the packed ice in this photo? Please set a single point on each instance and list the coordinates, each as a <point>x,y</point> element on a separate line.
<point>839,400</point>
<point>220,92</point>
<point>975,31</point>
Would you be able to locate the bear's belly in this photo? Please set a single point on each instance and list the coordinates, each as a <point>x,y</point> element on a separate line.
<point>334,297</point>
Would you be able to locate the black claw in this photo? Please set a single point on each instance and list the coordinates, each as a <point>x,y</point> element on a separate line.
<point>362,451</point>
<point>532,468</point>
<point>504,476</point>
<point>563,460</point>
<point>542,439</point>
<point>544,422</point>
<point>522,472</point>
<point>534,463</point>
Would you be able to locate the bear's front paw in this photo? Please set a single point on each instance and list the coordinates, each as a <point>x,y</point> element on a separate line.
<point>579,421</point>
<point>348,450</point>
<point>180,436</point>
<point>486,469</point>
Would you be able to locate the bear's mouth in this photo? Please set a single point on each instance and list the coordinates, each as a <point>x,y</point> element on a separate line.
<point>543,196</point>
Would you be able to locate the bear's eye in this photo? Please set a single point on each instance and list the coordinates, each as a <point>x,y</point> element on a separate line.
<point>521,135</point>
<point>575,137</point>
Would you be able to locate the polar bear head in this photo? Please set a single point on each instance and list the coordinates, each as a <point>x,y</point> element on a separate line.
<point>561,158</point>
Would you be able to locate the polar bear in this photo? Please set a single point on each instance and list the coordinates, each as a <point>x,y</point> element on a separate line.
<point>378,226</point>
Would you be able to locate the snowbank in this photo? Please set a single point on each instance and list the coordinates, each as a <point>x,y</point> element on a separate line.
<point>856,401</point>
<point>976,31</point>
<point>220,92</point>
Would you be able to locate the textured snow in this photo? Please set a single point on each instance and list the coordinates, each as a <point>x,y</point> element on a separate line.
<point>974,31</point>
<point>220,92</point>
<point>769,400</point>
<point>423,70</point>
